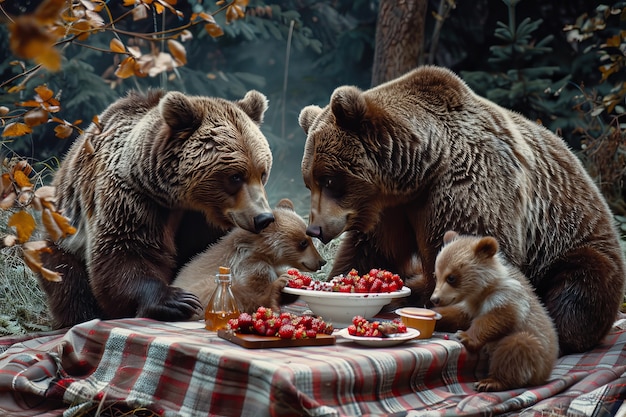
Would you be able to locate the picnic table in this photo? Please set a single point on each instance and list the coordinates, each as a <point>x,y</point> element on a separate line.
<point>181,369</point>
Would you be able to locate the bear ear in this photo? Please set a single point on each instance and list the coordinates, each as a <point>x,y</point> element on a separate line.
<point>285,203</point>
<point>254,104</point>
<point>449,236</point>
<point>179,112</point>
<point>486,247</point>
<point>308,116</point>
<point>349,107</point>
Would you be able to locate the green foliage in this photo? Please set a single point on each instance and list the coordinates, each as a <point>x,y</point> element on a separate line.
<point>518,75</point>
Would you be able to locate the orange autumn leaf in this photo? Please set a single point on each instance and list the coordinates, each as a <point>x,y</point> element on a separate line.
<point>21,179</point>
<point>64,224</point>
<point>36,117</point>
<point>16,129</point>
<point>23,166</point>
<point>214,30</point>
<point>63,131</point>
<point>50,59</point>
<point>44,92</point>
<point>48,11</point>
<point>24,225</point>
<point>178,51</point>
<point>32,257</point>
<point>6,183</point>
<point>117,46</point>
<point>53,230</point>
<point>126,68</point>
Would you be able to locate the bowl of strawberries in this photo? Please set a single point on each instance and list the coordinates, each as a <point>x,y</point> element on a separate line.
<point>342,298</point>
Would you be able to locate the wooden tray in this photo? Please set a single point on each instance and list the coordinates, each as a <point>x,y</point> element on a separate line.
<point>253,341</point>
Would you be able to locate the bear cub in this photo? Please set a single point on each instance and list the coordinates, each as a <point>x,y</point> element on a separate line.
<point>256,261</point>
<point>507,319</point>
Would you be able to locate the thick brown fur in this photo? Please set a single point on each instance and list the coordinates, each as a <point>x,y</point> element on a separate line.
<point>151,170</point>
<point>258,262</point>
<point>397,165</point>
<point>508,321</point>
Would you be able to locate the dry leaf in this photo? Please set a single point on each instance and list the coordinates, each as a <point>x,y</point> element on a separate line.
<point>214,30</point>
<point>178,51</point>
<point>32,257</point>
<point>64,224</point>
<point>44,92</point>
<point>8,201</point>
<point>53,230</point>
<point>63,131</point>
<point>35,117</point>
<point>25,196</point>
<point>6,184</point>
<point>46,192</point>
<point>48,11</point>
<point>21,179</point>
<point>9,240</point>
<point>24,225</point>
<point>126,68</point>
<point>24,166</point>
<point>117,46</point>
<point>49,58</point>
<point>16,129</point>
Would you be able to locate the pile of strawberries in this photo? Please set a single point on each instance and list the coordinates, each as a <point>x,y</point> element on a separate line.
<point>266,322</point>
<point>375,281</point>
<point>361,327</point>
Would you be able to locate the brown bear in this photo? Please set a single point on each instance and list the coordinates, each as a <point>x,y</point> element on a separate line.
<point>257,261</point>
<point>154,171</point>
<point>398,165</point>
<point>507,319</point>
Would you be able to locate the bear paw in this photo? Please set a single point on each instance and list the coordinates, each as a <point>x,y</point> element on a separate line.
<point>489,384</point>
<point>176,305</point>
<point>467,341</point>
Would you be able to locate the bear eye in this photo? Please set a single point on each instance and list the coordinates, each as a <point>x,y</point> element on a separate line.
<point>327,182</point>
<point>304,244</point>
<point>236,179</point>
<point>451,279</point>
<point>264,177</point>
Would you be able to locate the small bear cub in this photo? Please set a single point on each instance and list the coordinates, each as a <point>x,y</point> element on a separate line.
<point>258,261</point>
<point>507,319</point>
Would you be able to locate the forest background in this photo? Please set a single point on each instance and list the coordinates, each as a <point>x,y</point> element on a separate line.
<point>560,63</point>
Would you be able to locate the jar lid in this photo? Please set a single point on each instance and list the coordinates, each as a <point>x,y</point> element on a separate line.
<point>417,312</point>
<point>224,270</point>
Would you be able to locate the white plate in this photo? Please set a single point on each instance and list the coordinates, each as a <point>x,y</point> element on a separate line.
<point>391,340</point>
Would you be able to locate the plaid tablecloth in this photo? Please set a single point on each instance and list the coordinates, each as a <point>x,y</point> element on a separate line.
<point>174,370</point>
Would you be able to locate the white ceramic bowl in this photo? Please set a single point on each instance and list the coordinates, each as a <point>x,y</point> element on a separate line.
<point>339,308</point>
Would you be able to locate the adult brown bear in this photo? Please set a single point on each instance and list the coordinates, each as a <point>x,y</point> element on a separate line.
<point>154,168</point>
<point>398,165</point>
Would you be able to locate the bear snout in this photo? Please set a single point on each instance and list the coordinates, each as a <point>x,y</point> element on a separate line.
<point>314,231</point>
<point>262,220</point>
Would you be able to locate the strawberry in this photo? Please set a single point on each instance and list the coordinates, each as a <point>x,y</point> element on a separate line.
<point>245,322</point>
<point>296,283</point>
<point>259,326</point>
<point>233,324</point>
<point>286,331</point>
<point>311,333</point>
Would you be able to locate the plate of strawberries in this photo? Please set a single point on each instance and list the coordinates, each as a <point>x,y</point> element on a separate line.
<point>378,333</point>
<point>345,296</point>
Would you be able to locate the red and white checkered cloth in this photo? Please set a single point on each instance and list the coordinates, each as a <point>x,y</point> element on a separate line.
<point>177,371</point>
